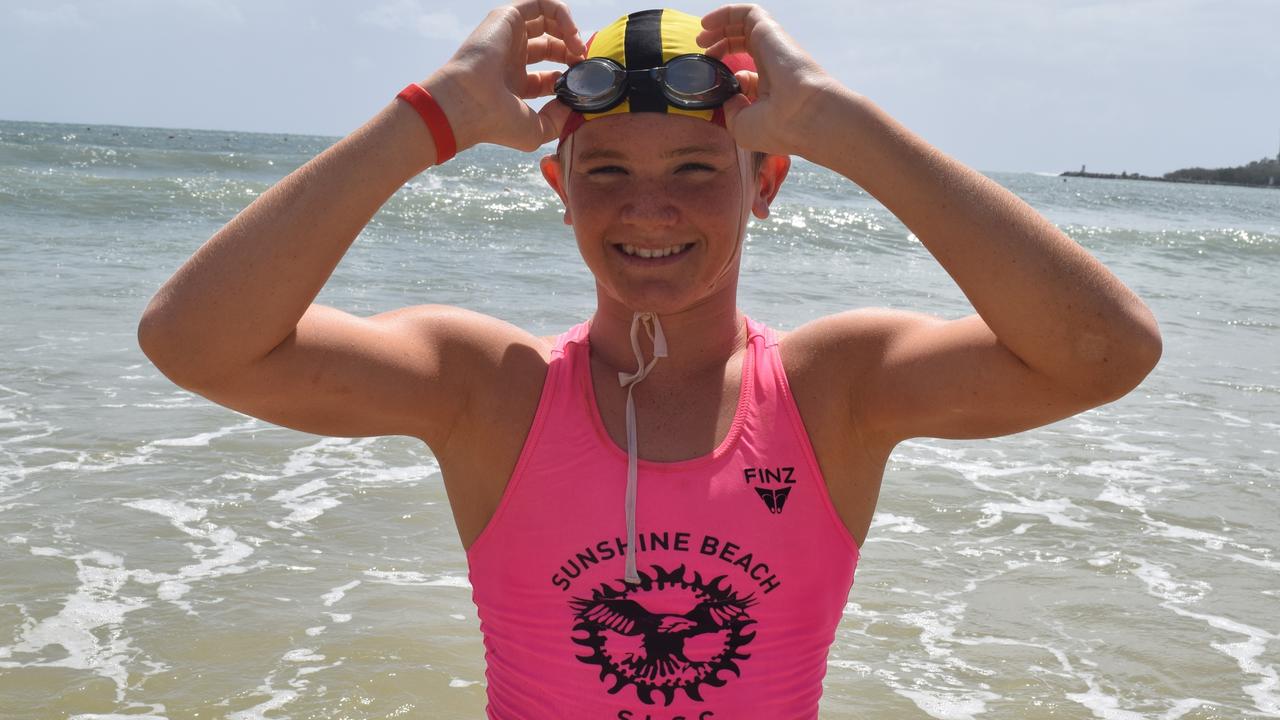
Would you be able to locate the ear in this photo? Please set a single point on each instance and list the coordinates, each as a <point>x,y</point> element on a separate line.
<point>552,171</point>
<point>768,181</point>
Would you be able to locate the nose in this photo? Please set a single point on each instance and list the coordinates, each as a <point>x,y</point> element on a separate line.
<point>650,206</point>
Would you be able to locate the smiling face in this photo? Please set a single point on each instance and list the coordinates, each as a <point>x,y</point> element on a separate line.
<point>659,204</point>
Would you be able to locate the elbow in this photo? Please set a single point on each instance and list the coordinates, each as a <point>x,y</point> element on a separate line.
<point>163,349</point>
<point>1153,349</point>
<point>1134,369</point>
<point>151,341</point>
<point>153,336</point>
<point>1120,364</point>
<point>149,337</point>
<point>1145,346</point>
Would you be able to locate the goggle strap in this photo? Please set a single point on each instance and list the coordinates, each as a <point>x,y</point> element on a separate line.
<point>643,49</point>
<point>571,125</point>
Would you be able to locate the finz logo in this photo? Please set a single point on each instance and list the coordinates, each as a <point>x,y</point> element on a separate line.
<point>766,481</point>
<point>774,498</point>
<point>667,633</point>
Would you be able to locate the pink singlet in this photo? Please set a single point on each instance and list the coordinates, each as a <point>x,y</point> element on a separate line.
<point>744,564</point>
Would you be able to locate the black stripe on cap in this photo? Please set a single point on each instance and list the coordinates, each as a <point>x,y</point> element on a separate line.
<point>643,48</point>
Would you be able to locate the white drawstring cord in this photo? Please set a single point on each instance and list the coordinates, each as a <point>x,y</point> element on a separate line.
<point>629,381</point>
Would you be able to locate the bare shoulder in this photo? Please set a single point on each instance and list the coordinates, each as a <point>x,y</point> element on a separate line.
<point>836,346</point>
<point>831,359</point>
<point>476,337</point>
<point>492,368</point>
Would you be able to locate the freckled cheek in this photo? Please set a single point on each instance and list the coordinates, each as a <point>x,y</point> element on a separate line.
<point>594,213</point>
<point>587,201</point>
<point>715,211</point>
<point>722,187</point>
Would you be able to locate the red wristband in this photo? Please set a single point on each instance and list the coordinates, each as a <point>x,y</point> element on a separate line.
<point>433,116</point>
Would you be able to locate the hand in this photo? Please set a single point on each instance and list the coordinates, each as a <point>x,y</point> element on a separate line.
<point>483,87</point>
<point>781,101</point>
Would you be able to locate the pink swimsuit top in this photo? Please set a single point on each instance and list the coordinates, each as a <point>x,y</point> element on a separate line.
<point>744,565</point>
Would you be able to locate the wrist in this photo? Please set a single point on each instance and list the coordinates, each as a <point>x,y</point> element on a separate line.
<point>868,146</point>
<point>453,100</point>
<point>830,122</point>
<point>431,115</point>
<point>416,147</point>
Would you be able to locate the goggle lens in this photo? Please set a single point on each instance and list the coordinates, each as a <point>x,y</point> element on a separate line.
<point>591,79</point>
<point>691,77</point>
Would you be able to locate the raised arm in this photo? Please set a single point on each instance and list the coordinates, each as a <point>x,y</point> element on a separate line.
<point>1055,331</point>
<point>237,322</point>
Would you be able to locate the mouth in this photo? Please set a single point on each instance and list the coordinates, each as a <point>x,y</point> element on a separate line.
<point>652,253</point>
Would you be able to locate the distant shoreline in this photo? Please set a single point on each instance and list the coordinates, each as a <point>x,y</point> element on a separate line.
<point>1135,176</point>
<point>1264,173</point>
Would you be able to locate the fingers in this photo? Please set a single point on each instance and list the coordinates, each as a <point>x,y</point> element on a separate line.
<point>546,48</point>
<point>551,17</point>
<point>717,51</point>
<point>735,23</point>
<point>750,83</point>
<point>539,84</point>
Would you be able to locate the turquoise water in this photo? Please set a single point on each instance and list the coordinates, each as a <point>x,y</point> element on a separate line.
<point>163,557</point>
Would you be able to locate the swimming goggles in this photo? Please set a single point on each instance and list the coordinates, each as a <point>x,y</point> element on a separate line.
<point>690,82</point>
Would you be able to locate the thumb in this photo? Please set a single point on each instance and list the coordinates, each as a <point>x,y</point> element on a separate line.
<point>749,82</point>
<point>553,116</point>
<point>528,129</point>
<point>738,119</point>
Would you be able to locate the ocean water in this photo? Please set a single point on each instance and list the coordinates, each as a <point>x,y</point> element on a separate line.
<point>164,557</point>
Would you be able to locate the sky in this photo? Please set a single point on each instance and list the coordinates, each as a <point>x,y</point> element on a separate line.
<point>1143,86</point>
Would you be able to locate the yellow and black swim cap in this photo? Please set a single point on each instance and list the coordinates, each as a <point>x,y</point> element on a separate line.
<point>649,39</point>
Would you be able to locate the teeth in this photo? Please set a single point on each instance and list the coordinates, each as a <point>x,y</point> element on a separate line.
<point>647,253</point>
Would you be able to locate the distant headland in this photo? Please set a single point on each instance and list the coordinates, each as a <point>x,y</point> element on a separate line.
<point>1259,173</point>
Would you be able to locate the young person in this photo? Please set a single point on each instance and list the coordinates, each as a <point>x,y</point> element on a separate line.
<point>662,507</point>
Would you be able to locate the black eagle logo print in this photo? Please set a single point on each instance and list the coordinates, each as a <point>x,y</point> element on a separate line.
<point>659,662</point>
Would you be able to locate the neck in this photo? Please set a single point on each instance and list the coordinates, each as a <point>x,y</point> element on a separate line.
<point>698,338</point>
